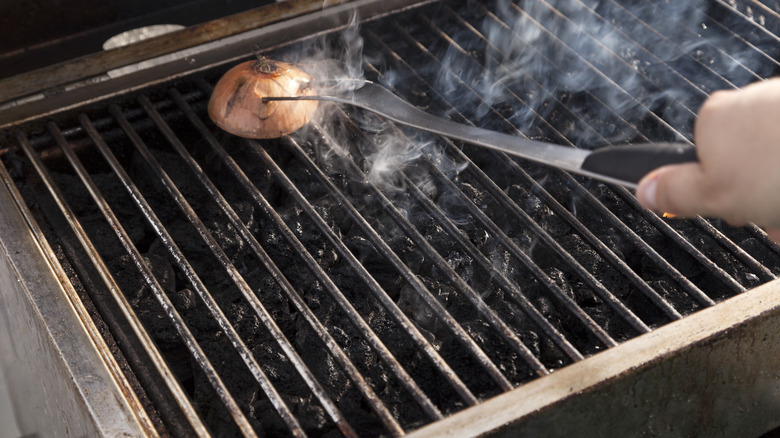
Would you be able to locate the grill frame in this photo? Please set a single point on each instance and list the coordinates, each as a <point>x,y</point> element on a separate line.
<point>684,342</point>
<point>51,343</point>
<point>92,78</point>
<point>688,378</point>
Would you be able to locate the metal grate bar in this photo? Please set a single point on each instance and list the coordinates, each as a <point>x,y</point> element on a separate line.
<point>202,291</point>
<point>322,276</point>
<point>592,68</point>
<point>472,295</point>
<point>605,294</point>
<point>738,37</point>
<point>261,253</point>
<point>731,5</point>
<point>507,284</point>
<point>412,313</point>
<point>553,203</point>
<point>664,227</point>
<point>402,319</point>
<point>158,362</point>
<point>764,273</point>
<point>212,190</point>
<point>628,20</point>
<point>694,290</point>
<point>279,277</point>
<point>707,51</point>
<point>504,330</point>
<point>767,10</point>
<point>399,266</point>
<point>520,254</point>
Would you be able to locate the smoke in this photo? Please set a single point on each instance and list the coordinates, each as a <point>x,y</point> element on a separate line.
<point>388,155</point>
<point>581,72</point>
<point>612,64</point>
<point>336,59</point>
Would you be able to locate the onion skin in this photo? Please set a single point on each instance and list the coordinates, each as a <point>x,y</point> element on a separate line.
<point>236,103</point>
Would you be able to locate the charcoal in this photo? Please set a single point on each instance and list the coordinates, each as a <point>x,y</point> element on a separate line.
<point>497,241</point>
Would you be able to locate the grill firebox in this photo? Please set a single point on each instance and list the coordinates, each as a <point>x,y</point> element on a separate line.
<point>361,278</point>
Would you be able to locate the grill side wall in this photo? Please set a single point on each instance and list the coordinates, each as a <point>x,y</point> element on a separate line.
<point>711,374</point>
<point>57,380</point>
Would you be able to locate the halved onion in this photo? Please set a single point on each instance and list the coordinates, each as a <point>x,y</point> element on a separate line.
<point>236,103</point>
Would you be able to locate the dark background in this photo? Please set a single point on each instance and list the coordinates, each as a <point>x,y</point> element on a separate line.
<point>34,33</point>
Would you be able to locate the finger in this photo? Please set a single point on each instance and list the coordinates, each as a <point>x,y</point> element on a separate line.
<point>774,234</point>
<point>679,189</point>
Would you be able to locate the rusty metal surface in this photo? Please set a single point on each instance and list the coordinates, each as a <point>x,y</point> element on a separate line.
<point>99,63</point>
<point>105,75</point>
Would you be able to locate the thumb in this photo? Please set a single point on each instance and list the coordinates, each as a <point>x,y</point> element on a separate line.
<point>774,234</point>
<point>675,189</point>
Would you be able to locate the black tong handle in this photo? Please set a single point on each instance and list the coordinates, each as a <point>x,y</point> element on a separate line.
<point>632,162</point>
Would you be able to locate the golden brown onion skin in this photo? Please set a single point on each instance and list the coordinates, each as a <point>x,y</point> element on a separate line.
<point>236,103</point>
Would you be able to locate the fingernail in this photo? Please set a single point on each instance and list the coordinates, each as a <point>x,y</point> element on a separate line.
<point>647,192</point>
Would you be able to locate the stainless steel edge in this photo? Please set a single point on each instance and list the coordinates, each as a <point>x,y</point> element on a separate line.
<point>715,373</point>
<point>62,377</point>
<point>146,72</point>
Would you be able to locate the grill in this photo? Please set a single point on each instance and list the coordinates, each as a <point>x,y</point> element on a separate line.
<point>364,279</point>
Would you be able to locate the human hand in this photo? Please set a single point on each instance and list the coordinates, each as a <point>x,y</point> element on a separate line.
<point>737,177</point>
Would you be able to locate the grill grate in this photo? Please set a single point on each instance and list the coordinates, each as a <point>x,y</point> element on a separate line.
<point>362,278</point>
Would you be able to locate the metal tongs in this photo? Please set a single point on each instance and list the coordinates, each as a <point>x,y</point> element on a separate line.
<point>619,164</point>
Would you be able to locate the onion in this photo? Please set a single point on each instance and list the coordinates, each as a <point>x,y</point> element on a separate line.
<point>236,104</point>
